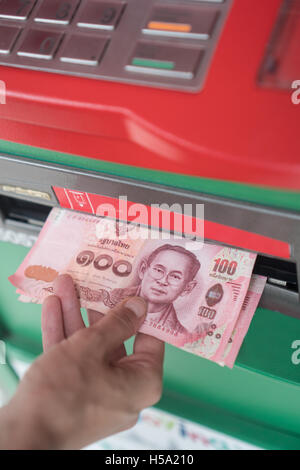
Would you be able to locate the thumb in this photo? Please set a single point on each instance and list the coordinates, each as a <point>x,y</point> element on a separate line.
<point>121,323</point>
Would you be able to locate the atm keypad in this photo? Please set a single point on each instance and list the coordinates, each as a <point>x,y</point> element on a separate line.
<point>160,43</point>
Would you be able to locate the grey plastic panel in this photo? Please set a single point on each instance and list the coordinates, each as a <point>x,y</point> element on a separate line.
<point>39,176</point>
<point>44,33</point>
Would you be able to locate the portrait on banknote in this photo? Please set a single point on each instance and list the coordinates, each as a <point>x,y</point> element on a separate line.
<point>164,275</point>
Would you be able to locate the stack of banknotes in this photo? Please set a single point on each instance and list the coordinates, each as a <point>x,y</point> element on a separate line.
<point>201,297</point>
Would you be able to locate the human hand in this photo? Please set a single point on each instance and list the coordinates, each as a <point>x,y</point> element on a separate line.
<point>84,387</point>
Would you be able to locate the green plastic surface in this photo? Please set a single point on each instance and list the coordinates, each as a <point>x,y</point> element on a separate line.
<point>257,401</point>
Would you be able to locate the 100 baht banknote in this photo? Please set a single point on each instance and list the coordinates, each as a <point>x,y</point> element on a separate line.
<point>195,292</point>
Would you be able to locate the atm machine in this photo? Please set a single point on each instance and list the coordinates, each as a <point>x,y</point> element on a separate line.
<point>164,101</point>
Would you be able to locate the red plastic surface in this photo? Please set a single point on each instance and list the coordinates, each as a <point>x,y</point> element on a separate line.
<point>233,130</point>
<point>87,202</point>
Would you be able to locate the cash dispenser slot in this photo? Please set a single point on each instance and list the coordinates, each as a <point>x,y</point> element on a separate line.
<point>280,273</point>
<point>23,213</point>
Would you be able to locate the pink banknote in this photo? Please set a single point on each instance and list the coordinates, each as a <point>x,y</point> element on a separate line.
<point>195,292</point>
<point>255,290</point>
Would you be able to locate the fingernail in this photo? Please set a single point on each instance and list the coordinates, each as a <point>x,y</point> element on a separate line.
<point>137,305</point>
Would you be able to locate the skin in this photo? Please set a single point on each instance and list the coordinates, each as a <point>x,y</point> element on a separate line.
<point>84,387</point>
<point>159,293</point>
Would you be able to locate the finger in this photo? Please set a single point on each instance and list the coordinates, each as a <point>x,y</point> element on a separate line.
<point>52,322</point>
<point>63,287</point>
<point>143,371</point>
<point>149,348</point>
<point>121,323</point>
<point>148,351</point>
<point>94,317</point>
<point>118,354</point>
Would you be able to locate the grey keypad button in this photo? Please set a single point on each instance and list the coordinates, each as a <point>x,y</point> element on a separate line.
<point>16,9</point>
<point>164,60</point>
<point>40,44</point>
<point>101,15</point>
<point>56,11</point>
<point>191,22</point>
<point>83,50</point>
<point>8,37</point>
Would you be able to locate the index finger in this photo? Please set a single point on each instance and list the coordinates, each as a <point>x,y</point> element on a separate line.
<point>143,371</point>
<point>64,288</point>
<point>148,348</point>
<point>52,322</point>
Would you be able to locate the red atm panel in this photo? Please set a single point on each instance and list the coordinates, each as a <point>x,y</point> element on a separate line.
<point>236,127</point>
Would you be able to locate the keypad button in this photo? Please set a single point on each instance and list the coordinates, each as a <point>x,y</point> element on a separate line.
<point>8,37</point>
<point>83,50</point>
<point>101,15</point>
<point>194,22</point>
<point>16,9</point>
<point>165,60</point>
<point>56,11</point>
<point>40,44</point>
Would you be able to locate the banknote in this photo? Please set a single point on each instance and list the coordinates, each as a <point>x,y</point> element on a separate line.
<point>195,292</point>
<point>255,290</point>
